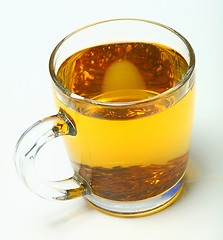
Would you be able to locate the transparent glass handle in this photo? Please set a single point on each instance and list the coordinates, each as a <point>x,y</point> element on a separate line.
<point>25,156</point>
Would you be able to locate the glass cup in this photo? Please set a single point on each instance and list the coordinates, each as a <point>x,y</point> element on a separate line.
<point>128,143</point>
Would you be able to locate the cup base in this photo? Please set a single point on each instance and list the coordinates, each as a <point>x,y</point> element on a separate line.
<point>138,208</point>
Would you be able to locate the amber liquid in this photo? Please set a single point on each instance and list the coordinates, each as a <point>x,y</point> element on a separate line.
<point>128,154</point>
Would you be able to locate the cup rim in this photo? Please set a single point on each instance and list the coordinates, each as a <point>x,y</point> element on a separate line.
<point>182,82</point>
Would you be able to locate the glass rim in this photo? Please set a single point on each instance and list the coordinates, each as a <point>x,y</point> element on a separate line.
<point>187,76</point>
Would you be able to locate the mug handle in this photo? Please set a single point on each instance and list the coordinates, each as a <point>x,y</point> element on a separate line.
<point>26,151</point>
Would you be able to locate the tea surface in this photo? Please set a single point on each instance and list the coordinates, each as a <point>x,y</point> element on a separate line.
<point>112,72</point>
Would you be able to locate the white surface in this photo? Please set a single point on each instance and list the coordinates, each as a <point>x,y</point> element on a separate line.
<point>29,32</point>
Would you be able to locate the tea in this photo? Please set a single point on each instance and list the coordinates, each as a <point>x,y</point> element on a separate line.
<point>155,69</point>
<point>131,153</point>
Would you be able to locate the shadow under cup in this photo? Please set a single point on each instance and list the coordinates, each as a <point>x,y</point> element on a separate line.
<point>129,157</point>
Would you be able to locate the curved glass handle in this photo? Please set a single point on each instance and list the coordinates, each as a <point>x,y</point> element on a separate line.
<point>25,155</point>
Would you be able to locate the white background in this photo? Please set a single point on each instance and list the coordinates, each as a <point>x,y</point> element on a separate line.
<point>29,32</point>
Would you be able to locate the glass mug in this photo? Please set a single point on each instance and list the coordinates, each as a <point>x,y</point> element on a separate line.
<point>124,91</point>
